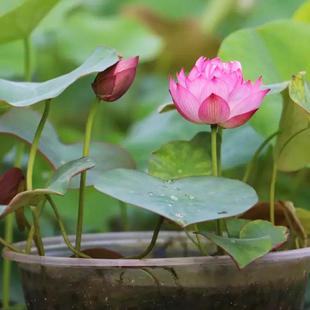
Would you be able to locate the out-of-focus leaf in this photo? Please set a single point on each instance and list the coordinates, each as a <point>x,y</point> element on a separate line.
<point>184,35</point>
<point>128,37</point>
<point>242,251</point>
<point>58,185</point>
<point>22,94</point>
<point>179,159</point>
<point>303,13</point>
<point>19,20</point>
<point>185,201</point>
<point>304,217</point>
<point>260,51</point>
<point>22,123</point>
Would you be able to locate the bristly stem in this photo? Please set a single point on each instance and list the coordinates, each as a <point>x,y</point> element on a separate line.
<point>272,189</point>
<point>215,167</point>
<point>88,130</point>
<point>62,229</point>
<point>153,241</point>
<point>8,237</point>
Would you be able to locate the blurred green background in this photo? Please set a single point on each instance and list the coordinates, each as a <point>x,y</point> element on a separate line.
<point>167,35</point>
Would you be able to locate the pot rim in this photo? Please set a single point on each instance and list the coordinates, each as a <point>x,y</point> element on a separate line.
<point>54,243</point>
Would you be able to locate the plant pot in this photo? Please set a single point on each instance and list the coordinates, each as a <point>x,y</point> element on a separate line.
<point>56,281</point>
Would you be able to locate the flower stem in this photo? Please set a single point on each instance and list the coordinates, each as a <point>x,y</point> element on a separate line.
<point>29,176</point>
<point>8,237</point>
<point>215,168</point>
<point>62,229</point>
<point>272,189</point>
<point>153,241</point>
<point>37,229</point>
<point>35,143</point>
<point>88,130</point>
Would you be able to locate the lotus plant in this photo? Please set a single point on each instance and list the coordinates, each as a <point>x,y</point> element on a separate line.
<point>183,183</point>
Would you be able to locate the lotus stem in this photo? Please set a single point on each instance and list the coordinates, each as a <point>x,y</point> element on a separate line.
<point>272,189</point>
<point>88,130</point>
<point>124,215</point>
<point>62,229</point>
<point>214,128</point>
<point>153,241</point>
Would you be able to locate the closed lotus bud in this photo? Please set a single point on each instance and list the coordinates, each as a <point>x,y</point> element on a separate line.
<point>113,83</point>
<point>216,93</point>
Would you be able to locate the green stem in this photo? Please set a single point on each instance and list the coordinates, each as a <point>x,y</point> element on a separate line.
<point>124,215</point>
<point>8,237</point>
<point>27,57</point>
<point>215,168</point>
<point>272,189</point>
<point>219,155</point>
<point>153,241</point>
<point>255,156</point>
<point>62,229</point>
<point>11,246</point>
<point>31,232</point>
<point>29,177</point>
<point>38,231</point>
<point>88,130</point>
<point>35,143</point>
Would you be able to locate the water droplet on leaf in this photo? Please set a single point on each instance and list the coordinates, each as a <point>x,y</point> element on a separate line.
<point>174,198</point>
<point>180,215</point>
<point>191,197</point>
<point>151,194</point>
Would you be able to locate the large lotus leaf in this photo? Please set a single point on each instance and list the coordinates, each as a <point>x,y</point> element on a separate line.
<point>242,251</point>
<point>19,18</point>
<point>260,50</point>
<point>22,123</point>
<point>177,159</point>
<point>238,146</point>
<point>184,201</point>
<point>22,94</point>
<point>58,185</point>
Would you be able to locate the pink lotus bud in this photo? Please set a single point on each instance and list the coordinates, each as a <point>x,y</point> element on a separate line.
<point>113,83</point>
<point>216,93</point>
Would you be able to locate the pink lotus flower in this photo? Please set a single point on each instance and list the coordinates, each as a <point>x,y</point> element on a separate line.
<point>216,93</point>
<point>113,83</point>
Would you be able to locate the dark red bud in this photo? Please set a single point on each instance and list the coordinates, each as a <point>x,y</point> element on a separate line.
<point>113,83</point>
